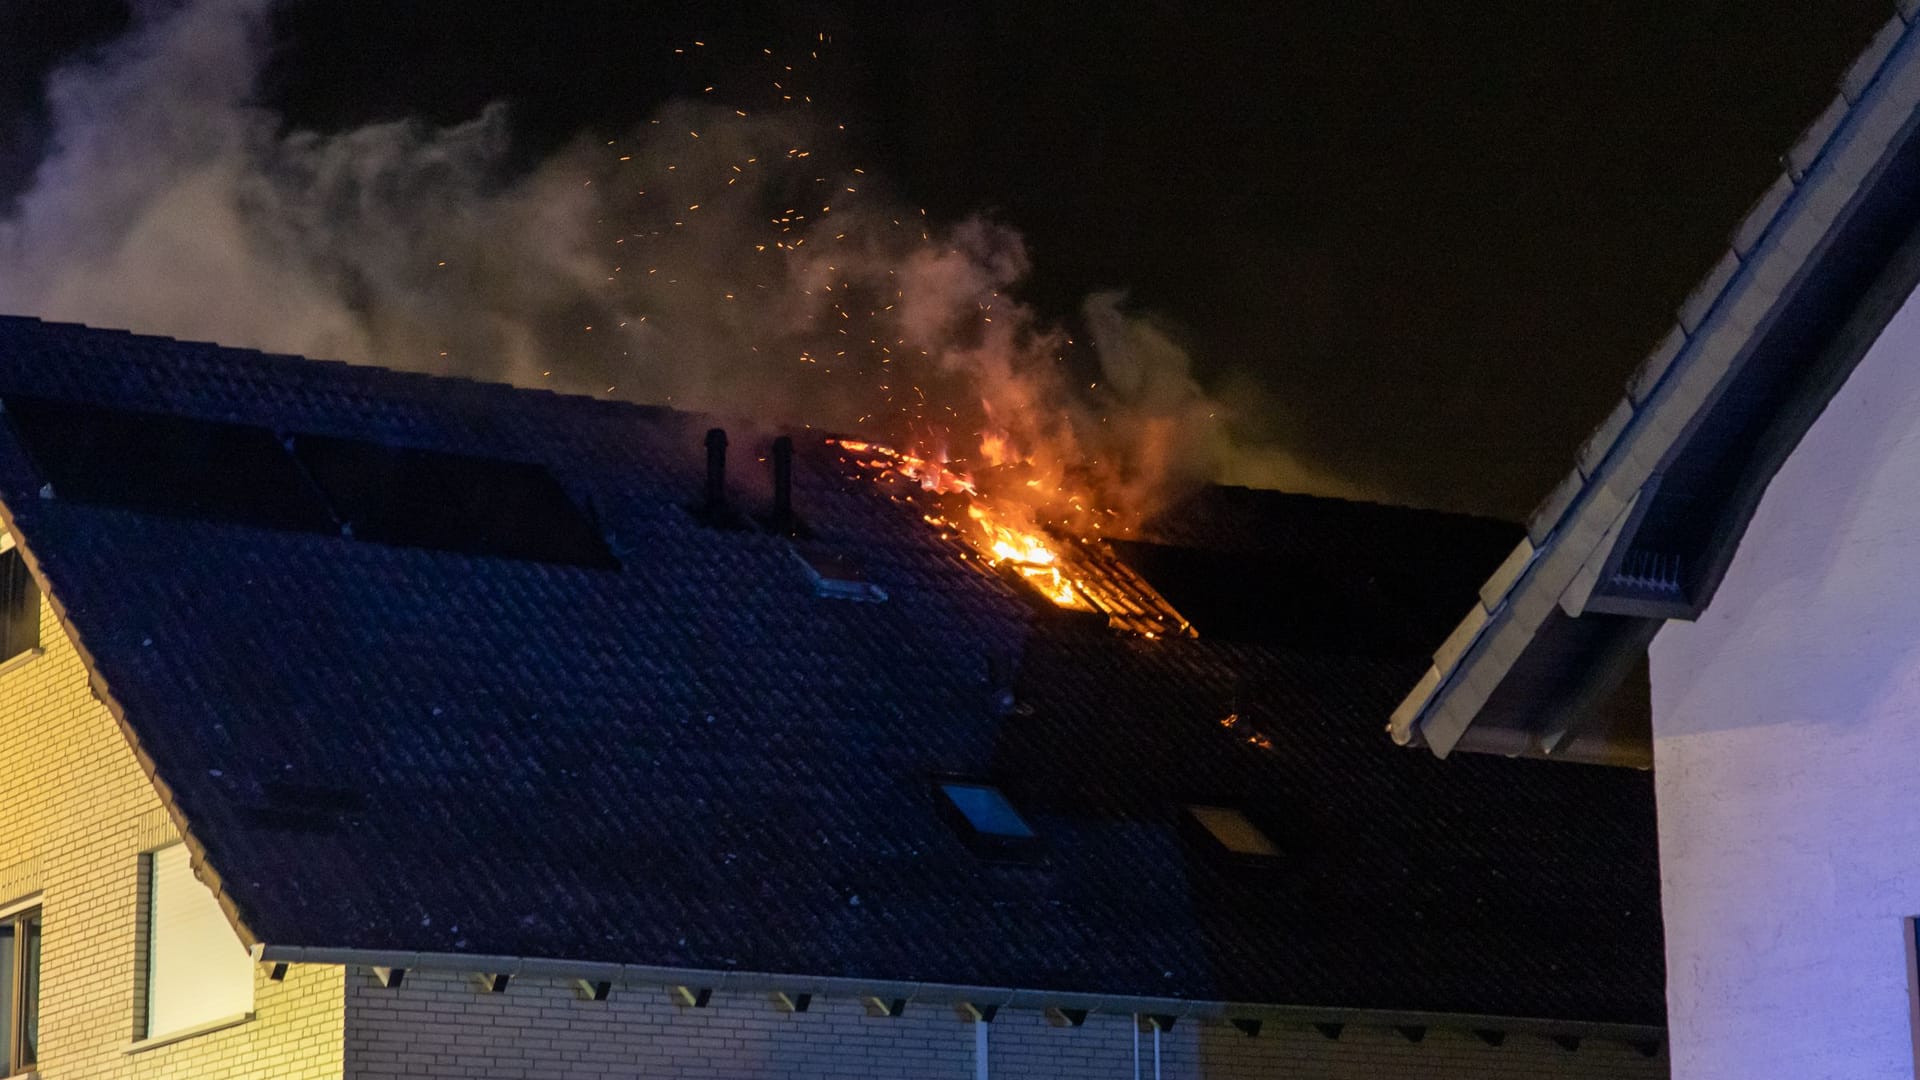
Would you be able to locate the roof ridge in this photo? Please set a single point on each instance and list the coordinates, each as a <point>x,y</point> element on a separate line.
<point>468,383</point>
<point>1379,504</point>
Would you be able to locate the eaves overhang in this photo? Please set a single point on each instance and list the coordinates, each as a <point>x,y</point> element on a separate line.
<point>945,994</point>
<point>1642,529</point>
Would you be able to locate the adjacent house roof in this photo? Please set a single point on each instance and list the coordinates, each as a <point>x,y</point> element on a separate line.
<point>1550,659</point>
<point>662,742</point>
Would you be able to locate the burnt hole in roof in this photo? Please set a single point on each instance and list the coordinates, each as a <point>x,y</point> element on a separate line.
<point>451,502</point>
<point>166,464</point>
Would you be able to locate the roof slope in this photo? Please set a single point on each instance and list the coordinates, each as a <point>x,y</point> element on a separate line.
<point>696,760</point>
<point>1643,528</point>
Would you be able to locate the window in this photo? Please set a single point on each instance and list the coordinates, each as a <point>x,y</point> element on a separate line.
<point>985,819</point>
<point>20,989</point>
<point>1234,832</point>
<point>197,972</point>
<point>19,603</point>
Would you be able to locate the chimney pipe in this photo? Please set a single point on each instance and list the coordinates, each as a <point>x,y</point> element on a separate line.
<point>716,503</point>
<point>783,484</point>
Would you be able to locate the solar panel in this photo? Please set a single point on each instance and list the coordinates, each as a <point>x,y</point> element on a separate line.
<point>166,464</point>
<point>242,473</point>
<point>452,502</point>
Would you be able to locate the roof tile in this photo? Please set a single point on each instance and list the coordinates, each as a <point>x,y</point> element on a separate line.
<point>1461,639</point>
<point>1508,572</point>
<point>1866,66</point>
<point>1813,141</point>
<point>1654,368</point>
<point>1760,218</point>
<point>1547,516</point>
<point>696,761</point>
<point>1705,295</point>
<point>1601,441</point>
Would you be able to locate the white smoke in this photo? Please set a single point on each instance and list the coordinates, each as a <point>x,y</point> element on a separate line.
<point>712,259</point>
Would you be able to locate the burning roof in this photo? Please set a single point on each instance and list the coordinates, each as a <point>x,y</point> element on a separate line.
<point>1079,573</point>
<point>780,744</point>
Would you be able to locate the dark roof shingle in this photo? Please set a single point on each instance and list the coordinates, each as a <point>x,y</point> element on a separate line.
<point>696,760</point>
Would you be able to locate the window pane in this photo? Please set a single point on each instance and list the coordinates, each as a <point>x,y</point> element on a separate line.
<point>19,606</point>
<point>1233,830</point>
<point>9,957</point>
<point>197,970</point>
<point>30,991</point>
<point>987,810</point>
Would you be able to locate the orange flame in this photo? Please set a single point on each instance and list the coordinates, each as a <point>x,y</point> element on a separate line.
<point>1028,554</point>
<point>1078,575</point>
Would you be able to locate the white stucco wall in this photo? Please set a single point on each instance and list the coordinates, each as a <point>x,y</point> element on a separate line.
<point>1787,758</point>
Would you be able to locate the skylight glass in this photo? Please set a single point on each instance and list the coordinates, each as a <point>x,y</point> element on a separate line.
<point>1233,830</point>
<point>987,810</point>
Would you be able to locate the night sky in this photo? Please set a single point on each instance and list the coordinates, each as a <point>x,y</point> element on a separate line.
<point>1427,246</point>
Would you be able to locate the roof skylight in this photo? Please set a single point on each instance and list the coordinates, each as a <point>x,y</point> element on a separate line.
<point>986,819</point>
<point>987,810</point>
<point>1232,829</point>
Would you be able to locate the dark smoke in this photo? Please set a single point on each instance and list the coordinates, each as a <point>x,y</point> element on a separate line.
<point>732,263</point>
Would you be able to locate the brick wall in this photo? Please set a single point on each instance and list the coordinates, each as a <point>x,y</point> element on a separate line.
<point>439,1024</point>
<point>75,812</point>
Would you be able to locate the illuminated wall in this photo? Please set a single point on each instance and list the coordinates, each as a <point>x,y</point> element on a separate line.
<point>1787,758</point>
<point>539,1028</point>
<point>75,813</point>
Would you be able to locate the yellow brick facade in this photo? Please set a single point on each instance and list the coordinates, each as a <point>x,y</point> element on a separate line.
<point>76,811</point>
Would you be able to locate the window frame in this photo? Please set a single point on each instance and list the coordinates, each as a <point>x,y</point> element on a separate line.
<point>14,570</point>
<point>989,845</point>
<point>13,1056</point>
<point>1194,813</point>
<point>144,1036</point>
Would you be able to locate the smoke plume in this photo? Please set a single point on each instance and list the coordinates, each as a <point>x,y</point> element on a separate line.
<point>715,258</point>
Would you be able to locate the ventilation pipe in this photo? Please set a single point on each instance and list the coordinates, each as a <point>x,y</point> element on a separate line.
<point>783,521</point>
<point>716,501</point>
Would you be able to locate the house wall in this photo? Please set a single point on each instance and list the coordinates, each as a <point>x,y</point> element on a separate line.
<point>1787,757</point>
<point>439,1024</point>
<point>75,813</point>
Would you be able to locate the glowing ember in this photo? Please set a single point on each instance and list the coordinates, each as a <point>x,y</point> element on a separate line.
<point>1029,555</point>
<point>1080,575</point>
